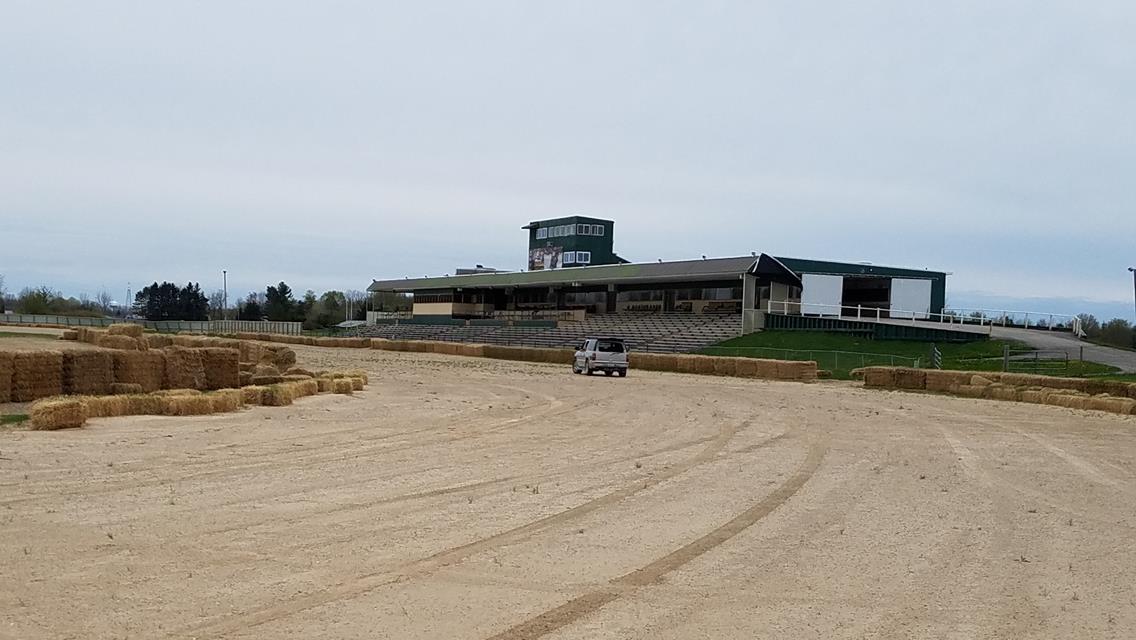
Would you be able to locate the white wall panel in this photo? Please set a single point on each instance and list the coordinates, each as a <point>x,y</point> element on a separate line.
<point>910,298</point>
<point>821,295</point>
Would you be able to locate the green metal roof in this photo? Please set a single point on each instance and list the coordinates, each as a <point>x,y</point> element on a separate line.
<point>632,273</point>
<point>685,270</point>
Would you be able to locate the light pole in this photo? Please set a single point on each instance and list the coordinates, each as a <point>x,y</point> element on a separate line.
<point>225,296</point>
<point>1133,270</point>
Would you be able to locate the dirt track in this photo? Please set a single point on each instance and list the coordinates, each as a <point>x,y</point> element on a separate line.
<point>465,498</point>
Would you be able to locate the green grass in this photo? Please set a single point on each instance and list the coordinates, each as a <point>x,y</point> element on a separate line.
<point>15,418</point>
<point>853,351</point>
<point>20,334</point>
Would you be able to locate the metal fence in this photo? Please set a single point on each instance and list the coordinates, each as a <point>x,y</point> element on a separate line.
<point>836,361</point>
<point>192,326</point>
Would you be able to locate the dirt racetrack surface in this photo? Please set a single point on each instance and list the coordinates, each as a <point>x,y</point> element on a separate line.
<point>468,498</point>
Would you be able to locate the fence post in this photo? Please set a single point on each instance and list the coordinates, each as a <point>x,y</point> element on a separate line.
<point>1005,358</point>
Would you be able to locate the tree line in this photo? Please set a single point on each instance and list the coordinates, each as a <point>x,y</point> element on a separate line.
<point>1117,332</point>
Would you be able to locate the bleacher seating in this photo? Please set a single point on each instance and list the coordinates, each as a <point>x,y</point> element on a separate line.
<point>656,332</point>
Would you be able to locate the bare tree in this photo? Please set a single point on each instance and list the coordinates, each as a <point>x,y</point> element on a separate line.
<point>3,293</point>
<point>217,305</point>
<point>103,299</point>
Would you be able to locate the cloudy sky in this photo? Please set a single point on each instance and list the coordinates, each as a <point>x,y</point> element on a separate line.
<point>328,143</point>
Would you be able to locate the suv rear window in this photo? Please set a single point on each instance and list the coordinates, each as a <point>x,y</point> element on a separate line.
<point>607,346</point>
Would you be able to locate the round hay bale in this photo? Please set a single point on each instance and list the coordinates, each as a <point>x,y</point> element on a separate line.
<point>58,413</point>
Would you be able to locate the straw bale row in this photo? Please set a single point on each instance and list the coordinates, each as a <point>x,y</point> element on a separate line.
<point>125,343</point>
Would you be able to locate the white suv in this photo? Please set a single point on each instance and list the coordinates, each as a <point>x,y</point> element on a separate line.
<point>601,354</point>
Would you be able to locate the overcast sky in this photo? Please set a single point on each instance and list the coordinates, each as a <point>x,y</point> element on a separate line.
<point>326,143</point>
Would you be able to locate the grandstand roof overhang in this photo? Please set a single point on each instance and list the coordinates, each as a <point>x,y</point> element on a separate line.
<point>714,269</point>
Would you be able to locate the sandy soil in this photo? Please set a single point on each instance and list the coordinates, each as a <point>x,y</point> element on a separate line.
<point>465,498</point>
<point>35,338</point>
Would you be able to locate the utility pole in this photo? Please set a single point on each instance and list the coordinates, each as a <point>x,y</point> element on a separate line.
<point>128,305</point>
<point>225,296</point>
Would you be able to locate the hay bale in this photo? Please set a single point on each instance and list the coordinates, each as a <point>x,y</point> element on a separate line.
<point>1003,392</point>
<point>324,385</point>
<point>380,343</point>
<point>69,335</point>
<point>357,383</point>
<point>107,406</point>
<point>704,365</point>
<point>131,330</point>
<point>36,374</point>
<point>145,368</point>
<point>169,393</point>
<point>276,395</point>
<point>245,378</point>
<point>908,378</point>
<point>125,388</point>
<point>185,368</point>
<point>299,371</point>
<point>1035,396</point>
<point>225,400</point>
<point>802,370</point>
<point>1068,401</point>
<point>878,377</point>
<point>58,413</point>
<point>284,358</point>
<point>745,368</point>
<point>686,363</point>
<point>342,385</point>
<point>252,395</point>
<point>144,404</point>
<point>250,351</point>
<point>970,390</point>
<point>262,381</point>
<point>6,368</point>
<point>222,367</point>
<point>303,388</point>
<point>294,378</point>
<point>942,381</point>
<point>124,343</point>
<point>87,373</point>
<point>724,366</point>
<point>189,342</point>
<point>186,405</point>
<point>158,341</point>
<point>1123,406</point>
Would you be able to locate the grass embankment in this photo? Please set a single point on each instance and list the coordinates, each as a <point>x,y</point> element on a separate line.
<point>840,353</point>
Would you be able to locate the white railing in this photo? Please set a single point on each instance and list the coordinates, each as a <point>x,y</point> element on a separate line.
<point>980,317</point>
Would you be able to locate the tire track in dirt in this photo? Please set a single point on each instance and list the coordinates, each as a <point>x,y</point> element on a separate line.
<point>307,459</point>
<point>652,573</point>
<point>363,584</point>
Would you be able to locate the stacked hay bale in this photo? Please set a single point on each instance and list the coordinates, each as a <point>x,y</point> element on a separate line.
<point>36,374</point>
<point>88,373</point>
<point>158,341</point>
<point>69,335</point>
<point>131,330</point>
<point>118,341</point>
<point>222,367</point>
<point>58,413</point>
<point>6,367</point>
<point>184,369</point>
<point>144,368</point>
<point>265,374</point>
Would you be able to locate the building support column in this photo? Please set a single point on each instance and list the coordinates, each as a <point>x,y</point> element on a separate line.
<point>749,292</point>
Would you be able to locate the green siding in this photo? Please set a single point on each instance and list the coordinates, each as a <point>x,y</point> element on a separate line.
<point>601,247</point>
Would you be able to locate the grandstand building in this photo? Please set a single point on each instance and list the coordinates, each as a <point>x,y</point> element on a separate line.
<point>575,277</point>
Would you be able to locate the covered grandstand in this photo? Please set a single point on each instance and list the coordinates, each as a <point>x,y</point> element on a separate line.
<point>664,306</point>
